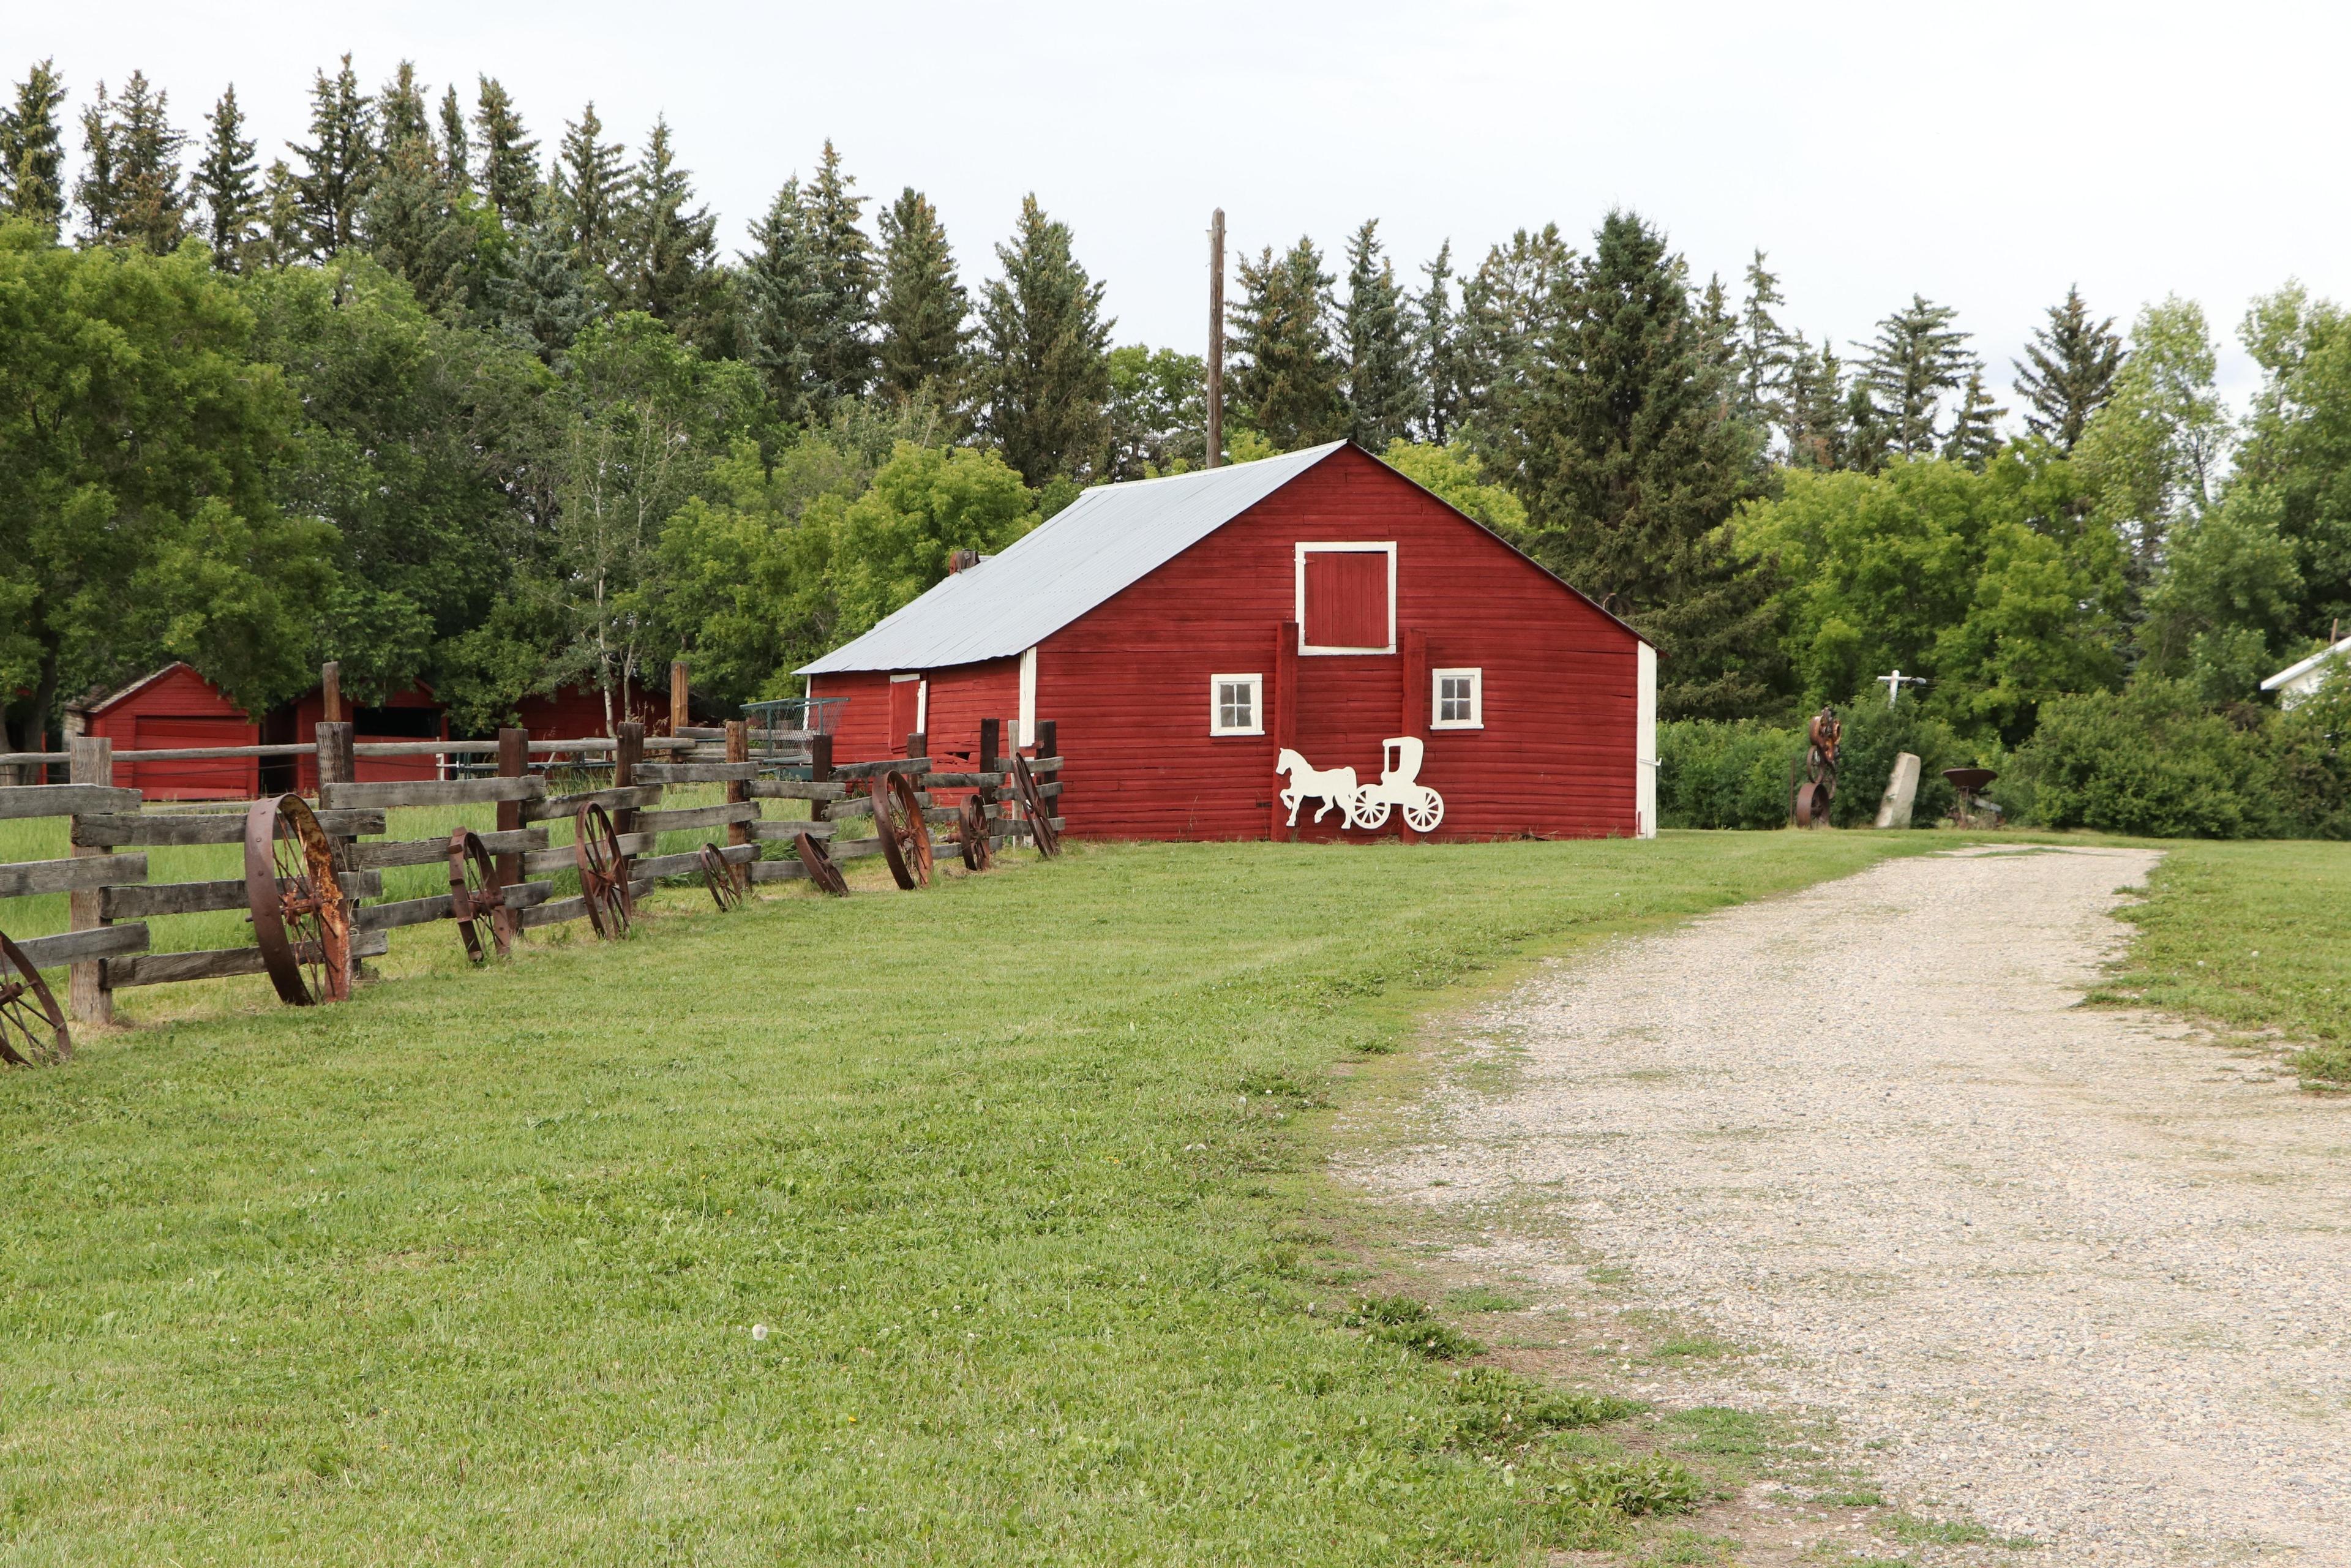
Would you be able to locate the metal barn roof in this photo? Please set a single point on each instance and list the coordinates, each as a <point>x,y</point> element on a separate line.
<point>1107,538</point>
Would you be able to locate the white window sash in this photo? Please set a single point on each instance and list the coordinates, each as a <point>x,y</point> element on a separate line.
<point>1476,677</point>
<point>1255,685</point>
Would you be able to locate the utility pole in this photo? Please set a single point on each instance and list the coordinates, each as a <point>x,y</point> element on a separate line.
<point>1217,339</point>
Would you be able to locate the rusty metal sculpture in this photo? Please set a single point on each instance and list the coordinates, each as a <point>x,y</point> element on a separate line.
<point>477,903</point>
<point>1968,812</point>
<point>723,880</point>
<point>1818,790</point>
<point>820,869</point>
<point>33,1030</point>
<point>1033,802</point>
<point>971,835</point>
<point>604,871</point>
<point>905,837</point>
<point>301,921</point>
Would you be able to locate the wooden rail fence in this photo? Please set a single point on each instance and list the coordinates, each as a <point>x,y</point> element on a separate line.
<point>110,901</point>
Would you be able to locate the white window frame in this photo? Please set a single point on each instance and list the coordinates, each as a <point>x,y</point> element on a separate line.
<point>1256,685</point>
<point>1476,675</point>
<point>1361,547</point>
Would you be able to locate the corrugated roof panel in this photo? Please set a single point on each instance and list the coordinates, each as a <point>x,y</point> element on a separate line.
<point>1109,537</point>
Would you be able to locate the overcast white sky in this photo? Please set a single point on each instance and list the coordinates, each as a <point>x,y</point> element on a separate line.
<point>1985,155</point>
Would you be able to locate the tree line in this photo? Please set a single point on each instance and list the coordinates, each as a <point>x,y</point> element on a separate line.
<point>453,405</point>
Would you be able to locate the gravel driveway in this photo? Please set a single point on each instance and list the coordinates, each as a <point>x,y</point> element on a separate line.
<point>2083,1274</point>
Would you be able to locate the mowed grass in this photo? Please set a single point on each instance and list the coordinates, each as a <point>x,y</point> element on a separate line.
<point>468,1269</point>
<point>2252,936</point>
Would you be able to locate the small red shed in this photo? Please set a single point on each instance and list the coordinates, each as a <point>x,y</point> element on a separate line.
<point>1317,611</point>
<point>415,714</point>
<point>172,709</point>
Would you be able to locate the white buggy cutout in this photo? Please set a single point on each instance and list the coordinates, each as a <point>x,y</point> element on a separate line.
<point>1365,806</point>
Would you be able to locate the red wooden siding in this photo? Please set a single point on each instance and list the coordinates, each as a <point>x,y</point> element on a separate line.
<point>1347,599</point>
<point>1128,684</point>
<point>860,730</point>
<point>412,715</point>
<point>179,708</point>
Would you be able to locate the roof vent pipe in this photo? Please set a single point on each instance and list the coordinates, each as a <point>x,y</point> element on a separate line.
<point>958,560</point>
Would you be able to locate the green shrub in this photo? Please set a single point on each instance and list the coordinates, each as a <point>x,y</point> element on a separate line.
<point>1400,1319</point>
<point>1716,774</point>
<point>2151,761</point>
<point>1873,736</point>
<point>2311,744</point>
<point>1651,1485</point>
<point>1503,1408</point>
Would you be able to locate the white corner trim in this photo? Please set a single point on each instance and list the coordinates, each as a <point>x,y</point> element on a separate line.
<point>923,708</point>
<point>1476,678</point>
<point>1357,547</point>
<point>1256,684</point>
<point>1027,736</point>
<point>1644,746</point>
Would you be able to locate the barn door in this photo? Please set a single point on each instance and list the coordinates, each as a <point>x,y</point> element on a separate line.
<point>906,710</point>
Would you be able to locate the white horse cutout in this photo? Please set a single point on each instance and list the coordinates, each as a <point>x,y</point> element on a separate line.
<point>1334,788</point>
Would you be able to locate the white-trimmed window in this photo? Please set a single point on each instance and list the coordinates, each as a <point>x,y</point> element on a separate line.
<point>1346,597</point>
<point>1457,699</point>
<point>1236,705</point>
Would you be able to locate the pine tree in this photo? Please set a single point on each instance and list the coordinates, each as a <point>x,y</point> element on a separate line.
<point>1288,382</point>
<point>1438,347</point>
<point>400,109</point>
<point>1975,426</point>
<point>1509,306</point>
<point>332,186</point>
<point>923,310</point>
<point>1629,469</point>
<point>1767,352</point>
<point>1818,430</point>
<point>285,239</point>
<point>1045,355</point>
<point>509,158</point>
<point>542,302</point>
<point>1917,357</point>
<point>224,183</point>
<point>131,191</point>
<point>32,150</point>
<point>2068,370</point>
<point>669,253</point>
<point>1383,391</point>
<point>454,163</point>
<point>412,225</point>
<point>839,333</point>
<point>779,297</point>
<point>585,197</point>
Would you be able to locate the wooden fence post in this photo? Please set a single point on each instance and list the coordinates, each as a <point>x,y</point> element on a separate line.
<point>626,755</point>
<point>89,998</point>
<point>1281,704</point>
<point>330,691</point>
<point>514,762</point>
<point>820,772</point>
<point>739,749</point>
<point>1048,745</point>
<point>986,759</point>
<point>919,744</point>
<point>678,715</point>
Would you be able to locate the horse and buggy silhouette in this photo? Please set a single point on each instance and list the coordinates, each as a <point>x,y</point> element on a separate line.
<point>1365,805</point>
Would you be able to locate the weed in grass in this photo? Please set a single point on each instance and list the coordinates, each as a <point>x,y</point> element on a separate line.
<point>1685,1549</point>
<point>1651,1484</point>
<point>1691,1347</point>
<point>1716,1429</point>
<point>1855,1498</point>
<point>1482,1299</point>
<point>1502,1409</point>
<point>1400,1319</point>
<point>1939,1531</point>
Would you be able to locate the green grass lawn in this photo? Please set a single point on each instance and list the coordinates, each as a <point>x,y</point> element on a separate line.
<point>2251,936</point>
<point>468,1269</point>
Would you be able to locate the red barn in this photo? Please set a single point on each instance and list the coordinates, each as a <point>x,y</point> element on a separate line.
<point>1186,634</point>
<point>171,709</point>
<point>415,714</point>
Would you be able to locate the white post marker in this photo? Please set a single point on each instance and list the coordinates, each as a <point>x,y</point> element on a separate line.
<point>1901,792</point>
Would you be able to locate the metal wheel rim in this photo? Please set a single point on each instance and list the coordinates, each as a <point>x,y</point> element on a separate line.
<point>33,1029</point>
<point>299,920</point>
<point>886,829</point>
<point>820,869</point>
<point>604,871</point>
<point>914,833</point>
<point>1041,832</point>
<point>719,877</point>
<point>475,902</point>
<point>972,835</point>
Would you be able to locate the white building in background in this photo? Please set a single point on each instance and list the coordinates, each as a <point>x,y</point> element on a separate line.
<point>2296,682</point>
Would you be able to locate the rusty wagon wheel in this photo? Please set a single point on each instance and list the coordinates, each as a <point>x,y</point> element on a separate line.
<point>820,869</point>
<point>1041,821</point>
<point>604,871</point>
<point>1812,803</point>
<point>302,921</point>
<point>725,890</point>
<point>33,1030</point>
<point>476,901</point>
<point>971,835</point>
<point>906,838</point>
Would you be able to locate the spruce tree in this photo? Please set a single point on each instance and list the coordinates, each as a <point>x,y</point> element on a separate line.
<point>1917,358</point>
<point>285,238</point>
<point>1288,383</point>
<point>1629,469</point>
<point>2068,370</point>
<point>131,191</point>
<point>668,265</point>
<point>1818,430</point>
<point>839,334</point>
<point>1438,347</point>
<point>1975,425</point>
<point>542,303</point>
<point>1509,306</point>
<point>1767,352</point>
<point>779,299</point>
<point>32,150</point>
<point>224,183</point>
<point>586,196</point>
<point>1045,355</point>
<point>400,109</point>
<point>924,311</point>
<point>509,158</point>
<point>412,225</point>
<point>332,186</point>
<point>455,166</point>
<point>1384,393</point>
